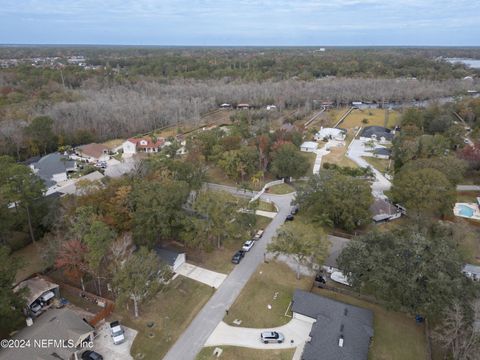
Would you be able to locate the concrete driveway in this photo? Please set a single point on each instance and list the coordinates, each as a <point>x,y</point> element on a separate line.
<point>103,344</point>
<point>324,151</point>
<point>189,344</point>
<point>208,277</point>
<point>355,152</point>
<point>296,330</point>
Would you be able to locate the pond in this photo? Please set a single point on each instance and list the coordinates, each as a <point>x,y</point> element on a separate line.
<point>473,63</point>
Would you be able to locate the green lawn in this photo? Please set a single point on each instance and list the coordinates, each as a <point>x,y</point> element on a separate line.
<point>372,116</point>
<point>281,189</point>
<point>171,311</point>
<point>269,279</point>
<point>338,156</point>
<point>32,260</point>
<point>220,259</point>
<point>396,335</point>
<point>381,165</point>
<point>266,206</point>
<point>239,353</point>
<point>311,159</point>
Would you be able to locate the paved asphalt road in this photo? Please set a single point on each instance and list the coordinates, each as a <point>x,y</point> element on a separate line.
<point>190,343</point>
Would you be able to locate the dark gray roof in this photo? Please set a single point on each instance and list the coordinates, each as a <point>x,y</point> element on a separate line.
<point>56,324</point>
<point>382,151</point>
<point>52,164</point>
<point>334,319</point>
<point>166,255</point>
<point>378,131</point>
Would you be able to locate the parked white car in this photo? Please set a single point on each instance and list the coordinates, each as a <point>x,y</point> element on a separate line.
<point>258,235</point>
<point>117,332</point>
<point>248,245</point>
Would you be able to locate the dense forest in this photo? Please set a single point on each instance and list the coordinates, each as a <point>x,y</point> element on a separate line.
<point>137,90</point>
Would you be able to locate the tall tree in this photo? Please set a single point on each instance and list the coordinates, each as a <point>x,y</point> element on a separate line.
<point>457,335</point>
<point>408,268</point>
<point>157,209</point>
<point>220,213</point>
<point>333,199</point>
<point>307,245</point>
<point>11,303</point>
<point>139,278</point>
<point>423,192</point>
<point>98,240</point>
<point>22,189</point>
<point>41,135</point>
<point>288,161</point>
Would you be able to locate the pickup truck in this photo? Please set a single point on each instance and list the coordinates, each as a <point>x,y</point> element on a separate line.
<point>117,332</point>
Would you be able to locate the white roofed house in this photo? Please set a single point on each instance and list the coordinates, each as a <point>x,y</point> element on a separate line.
<point>472,271</point>
<point>309,146</point>
<point>326,134</point>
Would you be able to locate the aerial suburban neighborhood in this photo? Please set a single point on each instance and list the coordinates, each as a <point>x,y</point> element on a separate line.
<point>246,187</point>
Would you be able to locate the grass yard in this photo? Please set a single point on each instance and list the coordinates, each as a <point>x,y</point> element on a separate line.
<point>372,116</point>
<point>311,159</point>
<point>281,189</point>
<point>221,259</point>
<point>381,165</point>
<point>239,353</point>
<point>396,335</point>
<point>32,260</point>
<point>266,206</point>
<point>171,311</point>
<point>338,156</point>
<point>269,279</point>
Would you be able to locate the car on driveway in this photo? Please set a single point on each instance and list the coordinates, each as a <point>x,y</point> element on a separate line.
<point>238,256</point>
<point>91,355</point>
<point>272,337</point>
<point>117,332</point>
<point>258,235</point>
<point>248,245</point>
<point>289,217</point>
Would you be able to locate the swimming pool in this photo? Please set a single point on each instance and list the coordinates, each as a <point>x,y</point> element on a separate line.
<point>465,210</point>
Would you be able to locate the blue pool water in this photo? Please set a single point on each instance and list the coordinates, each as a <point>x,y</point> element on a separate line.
<point>465,210</point>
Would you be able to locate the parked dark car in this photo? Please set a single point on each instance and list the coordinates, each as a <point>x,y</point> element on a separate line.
<point>91,355</point>
<point>289,217</point>
<point>238,256</point>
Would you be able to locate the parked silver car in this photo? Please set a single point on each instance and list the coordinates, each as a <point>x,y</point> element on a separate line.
<point>272,337</point>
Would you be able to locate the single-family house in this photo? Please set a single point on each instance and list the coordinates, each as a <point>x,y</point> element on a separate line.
<point>472,271</point>
<point>339,330</point>
<point>271,107</point>
<point>243,106</point>
<point>376,133</point>
<point>72,187</point>
<point>309,146</point>
<point>383,211</point>
<point>225,106</point>
<point>326,134</point>
<point>288,127</point>
<point>382,153</point>
<point>39,294</point>
<point>58,334</point>
<point>172,258</point>
<point>54,168</point>
<point>93,152</point>
<point>146,144</point>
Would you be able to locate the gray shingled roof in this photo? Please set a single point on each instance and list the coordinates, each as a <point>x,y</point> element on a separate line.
<point>52,164</point>
<point>168,256</point>
<point>378,131</point>
<point>56,324</point>
<point>382,151</point>
<point>333,320</point>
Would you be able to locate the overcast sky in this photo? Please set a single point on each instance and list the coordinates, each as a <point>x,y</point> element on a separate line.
<point>241,22</point>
